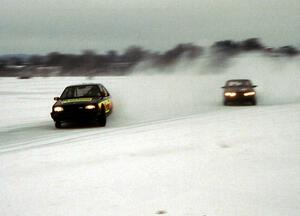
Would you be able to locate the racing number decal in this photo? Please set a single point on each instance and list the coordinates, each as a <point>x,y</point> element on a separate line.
<point>107,105</point>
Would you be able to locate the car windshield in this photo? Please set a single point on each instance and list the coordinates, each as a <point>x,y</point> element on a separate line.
<point>81,91</point>
<point>237,83</point>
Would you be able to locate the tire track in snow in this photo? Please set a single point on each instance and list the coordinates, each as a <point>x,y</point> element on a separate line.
<point>230,115</point>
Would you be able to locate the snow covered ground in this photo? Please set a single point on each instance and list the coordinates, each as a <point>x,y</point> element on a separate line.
<point>170,147</point>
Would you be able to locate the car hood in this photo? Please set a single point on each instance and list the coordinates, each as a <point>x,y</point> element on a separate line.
<point>71,101</point>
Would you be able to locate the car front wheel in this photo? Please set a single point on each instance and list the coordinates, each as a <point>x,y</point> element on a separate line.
<point>225,103</point>
<point>58,124</point>
<point>102,118</point>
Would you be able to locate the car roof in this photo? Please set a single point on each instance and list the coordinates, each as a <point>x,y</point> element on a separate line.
<point>241,80</point>
<point>86,84</point>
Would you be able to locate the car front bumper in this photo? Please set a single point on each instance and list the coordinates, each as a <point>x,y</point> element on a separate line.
<point>78,116</point>
<point>240,99</point>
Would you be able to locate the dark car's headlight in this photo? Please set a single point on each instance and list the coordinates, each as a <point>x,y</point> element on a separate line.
<point>230,94</point>
<point>249,93</point>
<point>89,107</point>
<point>58,109</point>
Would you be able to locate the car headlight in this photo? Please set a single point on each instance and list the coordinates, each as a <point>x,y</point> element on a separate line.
<point>90,107</point>
<point>249,93</point>
<point>230,94</point>
<point>58,109</point>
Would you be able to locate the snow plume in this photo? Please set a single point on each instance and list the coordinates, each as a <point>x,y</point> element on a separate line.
<point>188,88</point>
<point>277,78</point>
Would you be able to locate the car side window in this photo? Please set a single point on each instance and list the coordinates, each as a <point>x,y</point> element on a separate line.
<point>103,93</point>
<point>106,92</point>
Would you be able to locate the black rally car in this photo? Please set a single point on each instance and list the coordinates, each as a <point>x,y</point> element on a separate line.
<point>81,103</point>
<point>239,91</point>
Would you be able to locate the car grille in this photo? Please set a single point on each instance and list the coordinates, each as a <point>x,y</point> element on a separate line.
<point>74,108</point>
<point>240,94</point>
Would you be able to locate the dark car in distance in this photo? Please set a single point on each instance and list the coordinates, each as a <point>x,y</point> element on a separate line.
<point>239,91</point>
<point>82,103</point>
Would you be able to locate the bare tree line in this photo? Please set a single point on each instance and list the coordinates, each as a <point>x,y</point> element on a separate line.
<point>112,62</point>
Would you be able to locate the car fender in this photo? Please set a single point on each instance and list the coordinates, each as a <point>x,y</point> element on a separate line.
<point>107,104</point>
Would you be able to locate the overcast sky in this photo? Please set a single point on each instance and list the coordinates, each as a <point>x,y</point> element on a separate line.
<point>70,26</point>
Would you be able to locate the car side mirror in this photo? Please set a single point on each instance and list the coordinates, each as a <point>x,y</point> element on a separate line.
<point>56,98</point>
<point>223,87</point>
<point>254,86</point>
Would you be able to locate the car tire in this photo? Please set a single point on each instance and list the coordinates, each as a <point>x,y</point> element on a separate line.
<point>58,124</point>
<point>102,118</point>
<point>253,102</point>
<point>225,103</point>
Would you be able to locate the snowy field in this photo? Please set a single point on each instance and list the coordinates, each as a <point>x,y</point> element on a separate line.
<point>169,147</point>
